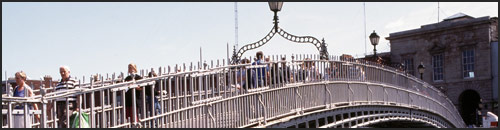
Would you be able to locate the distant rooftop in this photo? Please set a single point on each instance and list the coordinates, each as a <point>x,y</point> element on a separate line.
<point>457,16</point>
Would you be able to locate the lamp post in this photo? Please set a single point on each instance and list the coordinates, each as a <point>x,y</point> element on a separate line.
<point>275,7</point>
<point>374,40</point>
<point>421,70</point>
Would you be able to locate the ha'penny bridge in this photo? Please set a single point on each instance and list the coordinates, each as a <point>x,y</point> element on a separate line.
<point>305,91</point>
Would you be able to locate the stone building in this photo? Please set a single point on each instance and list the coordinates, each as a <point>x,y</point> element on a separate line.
<point>459,58</point>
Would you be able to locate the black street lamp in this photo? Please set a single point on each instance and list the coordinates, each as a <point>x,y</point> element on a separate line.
<point>374,40</point>
<point>421,70</point>
<point>275,7</point>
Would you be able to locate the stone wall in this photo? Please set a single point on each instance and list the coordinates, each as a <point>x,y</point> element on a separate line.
<point>450,38</point>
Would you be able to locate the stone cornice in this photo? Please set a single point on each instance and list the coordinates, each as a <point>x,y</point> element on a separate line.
<point>477,79</point>
<point>432,28</point>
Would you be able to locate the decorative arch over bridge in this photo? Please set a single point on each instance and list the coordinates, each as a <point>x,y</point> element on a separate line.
<point>275,6</point>
<point>321,46</point>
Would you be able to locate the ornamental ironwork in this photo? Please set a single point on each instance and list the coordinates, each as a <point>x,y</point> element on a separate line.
<point>321,46</point>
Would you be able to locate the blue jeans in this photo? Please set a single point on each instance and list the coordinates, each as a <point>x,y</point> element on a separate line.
<point>156,109</point>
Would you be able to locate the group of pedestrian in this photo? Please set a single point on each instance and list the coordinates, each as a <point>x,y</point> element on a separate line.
<point>307,71</point>
<point>132,75</point>
<point>69,105</point>
<point>23,90</point>
<point>262,73</point>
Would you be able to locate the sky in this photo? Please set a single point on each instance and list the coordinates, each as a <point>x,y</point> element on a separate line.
<point>104,37</point>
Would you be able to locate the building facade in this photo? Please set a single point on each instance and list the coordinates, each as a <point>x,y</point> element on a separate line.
<point>458,57</point>
<point>34,84</point>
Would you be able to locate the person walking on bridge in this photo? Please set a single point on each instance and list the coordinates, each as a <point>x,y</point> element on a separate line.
<point>67,82</point>
<point>23,90</point>
<point>259,74</point>
<point>284,72</point>
<point>309,70</point>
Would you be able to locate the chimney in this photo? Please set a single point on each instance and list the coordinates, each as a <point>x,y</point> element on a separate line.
<point>46,80</point>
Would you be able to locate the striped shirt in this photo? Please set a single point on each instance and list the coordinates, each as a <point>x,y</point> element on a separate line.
<point>69,84</point>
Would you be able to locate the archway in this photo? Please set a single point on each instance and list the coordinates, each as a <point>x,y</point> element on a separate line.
<point>469,105</point>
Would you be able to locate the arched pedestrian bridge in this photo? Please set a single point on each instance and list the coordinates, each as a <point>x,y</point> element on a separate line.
<point>303,92</point>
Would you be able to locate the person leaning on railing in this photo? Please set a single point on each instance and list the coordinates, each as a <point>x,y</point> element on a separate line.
<point>23,90</point>
<point>309,70</point>
<point>284,73</point>
<point>242,74</point>
<point>132,71</point>
<point>149,97</point>
<point>380,61</point>
<point>279,73</point>
<point>303,70</point>
<point>331,71</point>
<point>268,73</point>
<point>360,71</point>
<point>273,74</point>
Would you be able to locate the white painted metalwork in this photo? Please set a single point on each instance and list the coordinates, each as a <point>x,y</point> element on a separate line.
<point>228,96</point>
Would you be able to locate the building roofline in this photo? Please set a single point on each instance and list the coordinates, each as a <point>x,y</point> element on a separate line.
<point>457,16</point>
<point>438,26</point>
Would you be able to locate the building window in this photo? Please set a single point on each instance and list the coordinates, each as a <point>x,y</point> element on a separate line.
<point>409,66</point>
<point>468,63</point>
<point>437,66</point>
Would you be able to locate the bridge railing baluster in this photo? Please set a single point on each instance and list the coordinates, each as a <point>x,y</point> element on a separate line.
<point>184,94</point>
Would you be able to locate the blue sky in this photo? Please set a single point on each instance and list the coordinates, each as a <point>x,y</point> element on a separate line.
<point>104,37</point>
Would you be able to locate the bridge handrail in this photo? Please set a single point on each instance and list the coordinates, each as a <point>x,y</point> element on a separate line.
<point>111,85</point>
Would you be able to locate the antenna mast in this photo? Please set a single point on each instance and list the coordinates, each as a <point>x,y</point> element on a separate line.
<point>364,17</point>
<point>236,24</point>
<point>438,12</point>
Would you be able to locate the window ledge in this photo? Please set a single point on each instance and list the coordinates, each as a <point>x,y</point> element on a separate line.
<point>469,78</point>
<point>438,81</point>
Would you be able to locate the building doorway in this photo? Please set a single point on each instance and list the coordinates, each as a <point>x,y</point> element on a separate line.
<point>469,105</point>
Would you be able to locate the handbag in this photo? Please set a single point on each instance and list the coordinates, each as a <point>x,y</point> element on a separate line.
<point>75,120</point>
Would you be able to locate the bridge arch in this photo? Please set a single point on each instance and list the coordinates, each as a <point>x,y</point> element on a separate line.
<point>360,116</point>
<point>337,100</point>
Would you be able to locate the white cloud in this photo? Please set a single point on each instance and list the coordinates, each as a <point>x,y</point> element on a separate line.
<point>395,24</point>
<point>412,20</point>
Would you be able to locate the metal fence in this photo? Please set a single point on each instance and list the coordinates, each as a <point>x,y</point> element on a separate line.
<point>243,95</point>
